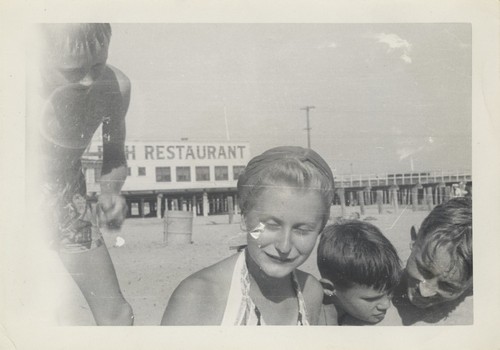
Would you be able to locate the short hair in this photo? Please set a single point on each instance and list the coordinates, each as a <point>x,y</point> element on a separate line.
<point>296,167</point>
<point>72,37</point>
<point>449,227</point>
<point>356,252</point>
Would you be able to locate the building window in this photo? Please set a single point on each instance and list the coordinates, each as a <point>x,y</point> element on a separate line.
<point>202,173</point>
<point>221,173</point>
<point>141,171</point>
<point>237,170</point>
<point>163,174</point>
<point>129,171</point>
<point>183,173</point>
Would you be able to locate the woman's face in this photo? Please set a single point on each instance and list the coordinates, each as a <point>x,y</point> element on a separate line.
<point>292,221</point>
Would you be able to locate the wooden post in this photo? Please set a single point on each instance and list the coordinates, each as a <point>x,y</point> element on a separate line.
<point>429,198</point>
<point>367,191</point>
<point>380,198</point>
<point>351,199</point>
<point>129,209</point>
<point>394,197</point>
<point>441,187</point>
<point>230,208</point>
<point>361,202</point>
<point>141,207</point>
<point>341,194</point>
<point>236,207</point>
<point>447,193</point>
<point>396,201</point>
<point>414,198</point>
<point>205,204</point>
<point>158,205</point>
<point>194,207</point>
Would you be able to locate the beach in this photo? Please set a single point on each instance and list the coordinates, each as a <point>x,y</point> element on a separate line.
<point>148,270</point>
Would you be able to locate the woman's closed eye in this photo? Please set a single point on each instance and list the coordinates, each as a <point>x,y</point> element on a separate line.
<point>272,226</point>
<point>304,229</point>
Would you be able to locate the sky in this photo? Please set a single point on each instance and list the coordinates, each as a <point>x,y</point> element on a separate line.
<point>386,97</point>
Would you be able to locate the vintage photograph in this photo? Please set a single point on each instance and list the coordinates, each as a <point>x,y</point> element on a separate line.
<point>173,170</point>
<point>257,174</point>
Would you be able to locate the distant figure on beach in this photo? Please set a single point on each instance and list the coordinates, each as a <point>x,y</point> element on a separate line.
<point>285,196</point>
<point>359,269</point>
<point>437,285</point>
<point>76,93</point>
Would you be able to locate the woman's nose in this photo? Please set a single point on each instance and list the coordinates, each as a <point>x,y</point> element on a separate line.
<point>283,244</point>
<point>427,288</point>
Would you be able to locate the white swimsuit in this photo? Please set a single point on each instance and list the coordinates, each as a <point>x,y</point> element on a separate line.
<point>240,309</point>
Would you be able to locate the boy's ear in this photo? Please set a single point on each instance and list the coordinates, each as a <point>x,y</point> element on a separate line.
<point>328,287</point>
<point>413,236</point>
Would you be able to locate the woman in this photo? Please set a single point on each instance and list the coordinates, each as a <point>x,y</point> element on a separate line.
<point>284,196</point>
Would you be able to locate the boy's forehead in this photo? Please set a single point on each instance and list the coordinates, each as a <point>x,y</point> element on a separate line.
<point>67,56</point>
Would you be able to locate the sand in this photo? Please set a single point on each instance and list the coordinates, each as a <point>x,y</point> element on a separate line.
<point>148,270</point>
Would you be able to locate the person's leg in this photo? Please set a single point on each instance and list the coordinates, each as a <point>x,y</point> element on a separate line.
<point>95,275</point>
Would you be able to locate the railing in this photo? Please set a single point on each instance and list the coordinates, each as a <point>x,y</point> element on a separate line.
<point>375,180</point>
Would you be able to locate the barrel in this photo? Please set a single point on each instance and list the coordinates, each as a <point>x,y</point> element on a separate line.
<point>177,227</point>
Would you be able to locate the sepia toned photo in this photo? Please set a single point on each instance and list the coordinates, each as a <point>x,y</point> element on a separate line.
<point>194,173</point>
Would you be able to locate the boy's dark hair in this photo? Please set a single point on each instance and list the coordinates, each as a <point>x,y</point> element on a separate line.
<point>449,226</point>
<point>354,251</point>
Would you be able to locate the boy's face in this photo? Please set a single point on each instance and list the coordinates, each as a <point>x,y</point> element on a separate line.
<point>431,285</point>
<point>77,69</point>
<point>363,302</point>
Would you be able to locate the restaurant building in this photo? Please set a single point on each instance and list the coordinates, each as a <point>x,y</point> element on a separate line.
<point>175,175</point>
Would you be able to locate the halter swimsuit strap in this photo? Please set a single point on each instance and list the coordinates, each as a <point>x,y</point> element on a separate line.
<point>240,308</point>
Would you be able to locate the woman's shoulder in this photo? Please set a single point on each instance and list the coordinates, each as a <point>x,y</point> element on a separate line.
<point>308,283</point>
<point>313,294</point>
<point>200,299</point>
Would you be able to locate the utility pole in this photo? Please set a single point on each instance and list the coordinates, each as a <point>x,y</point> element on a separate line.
<point>308,128</point>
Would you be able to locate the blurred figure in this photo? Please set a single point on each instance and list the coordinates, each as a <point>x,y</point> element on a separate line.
<point>77,92</point>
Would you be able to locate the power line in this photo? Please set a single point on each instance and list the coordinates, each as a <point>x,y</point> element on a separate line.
<point>308,128</point>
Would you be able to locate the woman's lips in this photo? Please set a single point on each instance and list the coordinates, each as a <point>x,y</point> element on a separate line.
<point>278,259</point>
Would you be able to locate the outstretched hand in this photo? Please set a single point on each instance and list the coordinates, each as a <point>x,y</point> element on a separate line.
<point>112,210</point>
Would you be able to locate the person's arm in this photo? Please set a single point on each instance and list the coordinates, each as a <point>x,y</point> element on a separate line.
<point>191,304</point>
<point>114,166</point>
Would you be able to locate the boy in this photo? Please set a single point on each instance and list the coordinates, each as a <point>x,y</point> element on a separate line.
<point>360,269</point>
<point>76,92</point>
<point>437,284</point>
